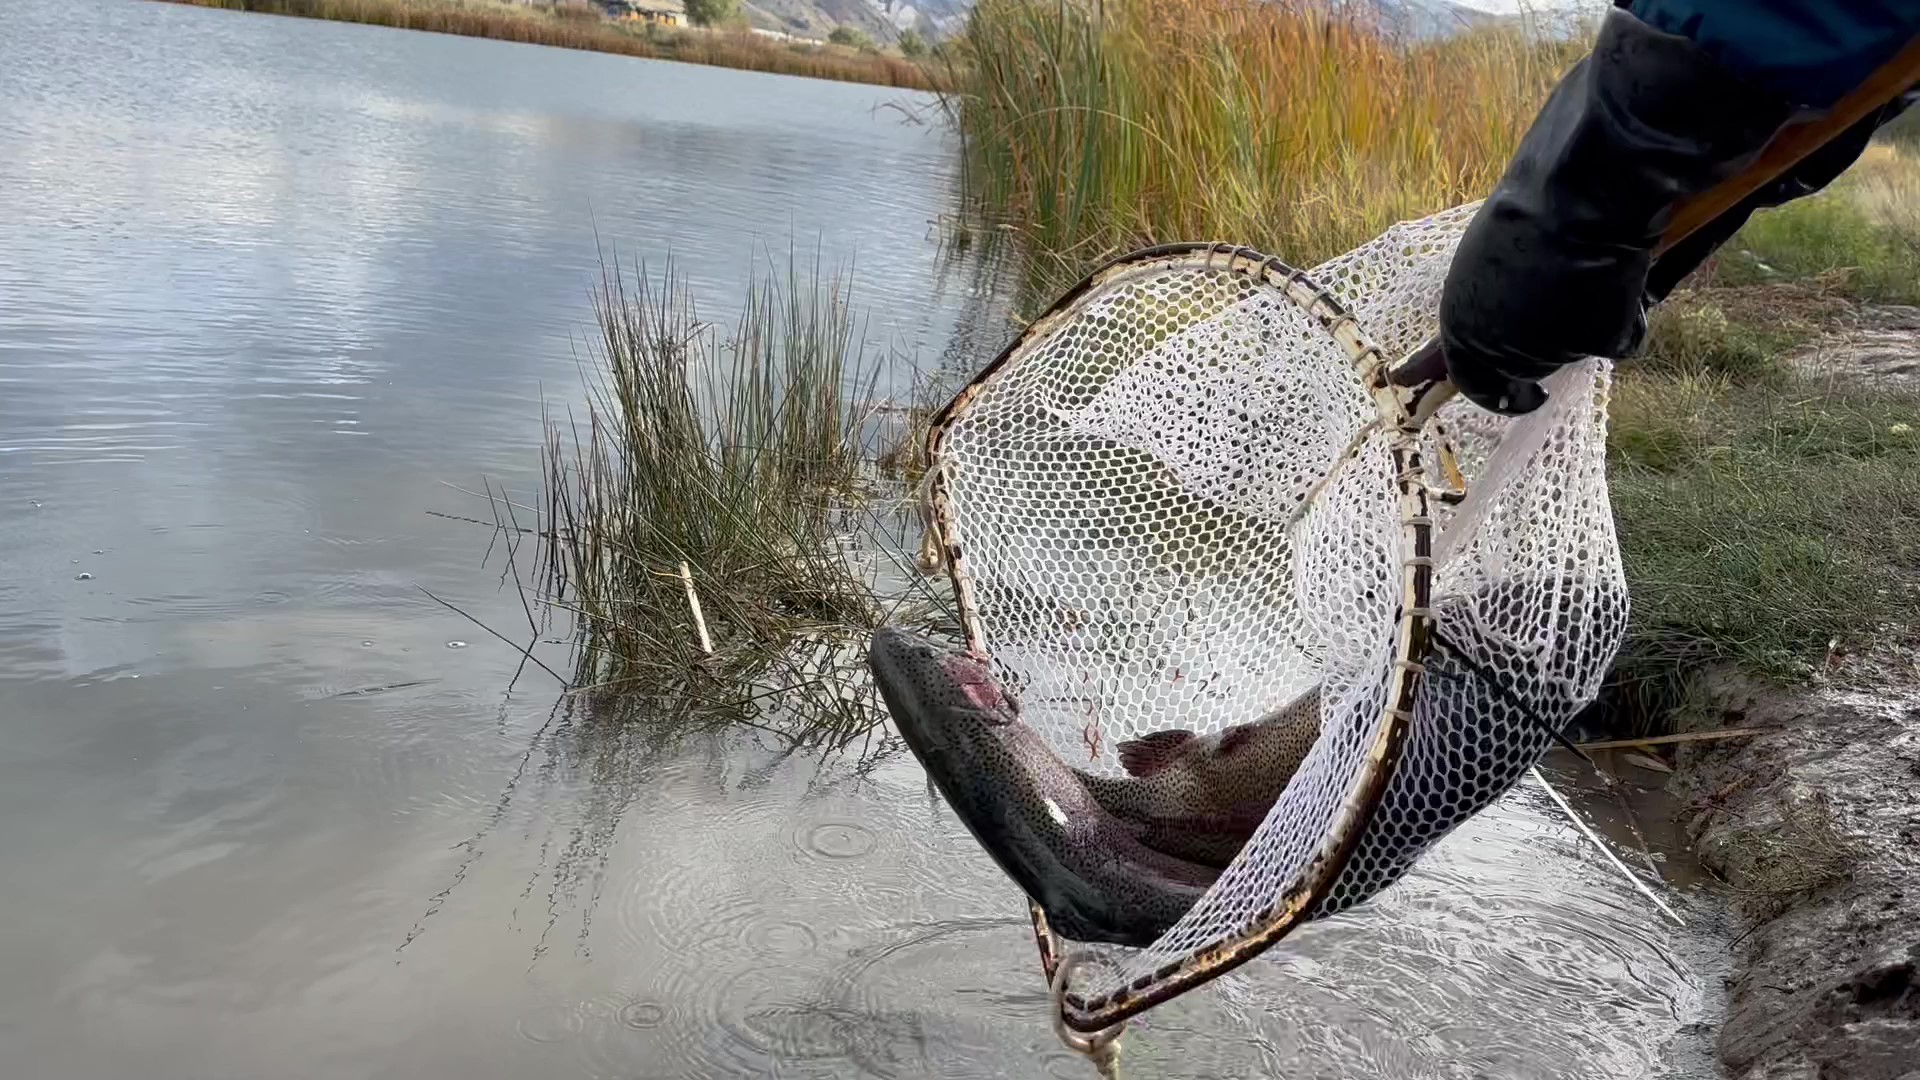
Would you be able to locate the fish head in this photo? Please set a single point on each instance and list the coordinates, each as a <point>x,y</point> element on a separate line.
<point>966,730</point>
<point>935,689</point>
<point>1028,809</point>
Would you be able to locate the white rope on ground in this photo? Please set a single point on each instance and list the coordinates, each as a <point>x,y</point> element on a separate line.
<point>1604,849</point>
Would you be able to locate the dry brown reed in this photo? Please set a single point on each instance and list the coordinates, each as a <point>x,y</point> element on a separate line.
<point>1301,128</point>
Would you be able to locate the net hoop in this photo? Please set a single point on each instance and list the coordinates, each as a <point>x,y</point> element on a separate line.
<point>1401,413</point>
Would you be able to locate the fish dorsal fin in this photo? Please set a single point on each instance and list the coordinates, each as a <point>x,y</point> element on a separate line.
<point>1153,751</point>
<point>1235,737</point>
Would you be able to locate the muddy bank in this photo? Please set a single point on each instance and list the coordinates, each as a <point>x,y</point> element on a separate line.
<point>1814,826</point>
<point>1815,829</point>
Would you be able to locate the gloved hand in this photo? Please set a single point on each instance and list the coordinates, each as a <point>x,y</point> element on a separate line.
<point>1554,266</point>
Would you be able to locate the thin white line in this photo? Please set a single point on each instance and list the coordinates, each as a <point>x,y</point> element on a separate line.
<point>1604,849</point>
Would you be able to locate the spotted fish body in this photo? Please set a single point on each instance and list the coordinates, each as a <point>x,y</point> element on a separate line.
<point>1085,866</point>
<point>1201,797</point>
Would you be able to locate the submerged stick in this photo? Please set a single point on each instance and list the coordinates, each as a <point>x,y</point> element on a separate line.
<point>1626,809</point>
<point>1604,849</point>
<point>693,605</point>
<point>1662,740</point>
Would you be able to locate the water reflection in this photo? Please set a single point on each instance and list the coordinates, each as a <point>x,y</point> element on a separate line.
<point>270,292</point>
<point>828,917</point>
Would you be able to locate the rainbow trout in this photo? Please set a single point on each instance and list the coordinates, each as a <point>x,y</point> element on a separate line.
<point>1085,866</point>
<point>1201,797</point>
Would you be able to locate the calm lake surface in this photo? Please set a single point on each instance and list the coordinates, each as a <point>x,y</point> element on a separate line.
<point>270,290</point>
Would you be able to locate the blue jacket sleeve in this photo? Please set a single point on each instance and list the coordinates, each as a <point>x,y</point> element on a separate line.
<point>1809,52</point>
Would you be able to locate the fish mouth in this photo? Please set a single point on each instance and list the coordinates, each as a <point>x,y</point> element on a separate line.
<point>936,686</point>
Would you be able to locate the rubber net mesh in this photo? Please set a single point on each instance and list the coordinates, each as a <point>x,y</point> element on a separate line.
<point>1127,500</point>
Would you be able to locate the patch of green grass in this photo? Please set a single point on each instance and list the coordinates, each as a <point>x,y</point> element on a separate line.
<point>1759,522</point>
<point>1835,237</point>
<point>1660,425</point>
<point>1688,337</point>
<point>1764,518</point>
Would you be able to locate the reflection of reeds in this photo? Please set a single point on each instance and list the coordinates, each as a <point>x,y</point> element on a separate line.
<point>578,25</point>
<point>744,460</point>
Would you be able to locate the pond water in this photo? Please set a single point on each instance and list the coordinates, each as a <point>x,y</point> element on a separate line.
<point>273,290</point>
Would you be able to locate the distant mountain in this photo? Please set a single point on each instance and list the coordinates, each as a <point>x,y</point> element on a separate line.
<point>884,19</point>
<point>881,20</point>
<point>1425,19</point>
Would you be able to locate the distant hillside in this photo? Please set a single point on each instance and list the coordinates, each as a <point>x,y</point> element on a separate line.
<point>1431,18</point>
<point>883,19</point>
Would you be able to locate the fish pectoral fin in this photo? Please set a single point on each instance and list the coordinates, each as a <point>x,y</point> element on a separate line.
<point>1153,751</point>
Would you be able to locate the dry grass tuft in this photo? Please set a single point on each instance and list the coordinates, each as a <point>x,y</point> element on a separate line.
<point>1299,128</point>
<point>1800,850</point>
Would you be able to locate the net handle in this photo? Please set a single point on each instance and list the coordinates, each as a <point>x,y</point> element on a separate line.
<point>1425,369</point>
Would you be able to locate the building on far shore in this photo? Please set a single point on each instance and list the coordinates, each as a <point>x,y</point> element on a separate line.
<point>657,12</point>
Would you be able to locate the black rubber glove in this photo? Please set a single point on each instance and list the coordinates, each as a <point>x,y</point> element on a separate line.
<point>1554,266</point>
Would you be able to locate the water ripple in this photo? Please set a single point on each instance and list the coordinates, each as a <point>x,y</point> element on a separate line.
<point>231,240</point>
<point>838,840</point>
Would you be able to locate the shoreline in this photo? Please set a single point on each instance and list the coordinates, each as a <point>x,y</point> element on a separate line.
<point>1813,828</point>
<point>741,51</point>
<point>1815,835</point>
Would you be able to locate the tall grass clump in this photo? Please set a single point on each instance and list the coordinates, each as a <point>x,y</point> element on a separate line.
<point>575,24</point>
<point>1301,128</point>
<point>709,514</point>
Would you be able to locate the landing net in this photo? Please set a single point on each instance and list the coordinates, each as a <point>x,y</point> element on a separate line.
<point>1188,495</point>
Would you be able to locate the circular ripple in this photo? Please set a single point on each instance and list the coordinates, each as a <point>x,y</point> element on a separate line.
<point>780,938</point>
<point>633,1030</point>
<point>643,1015</point>
<point>684,900</point>
<point>961,985</point>
<point>840,840</point>
<point>550,1024</point>
<point>768,1014</point>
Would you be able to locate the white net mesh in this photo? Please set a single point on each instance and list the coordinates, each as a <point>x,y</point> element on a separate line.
<point>1125,498</point>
